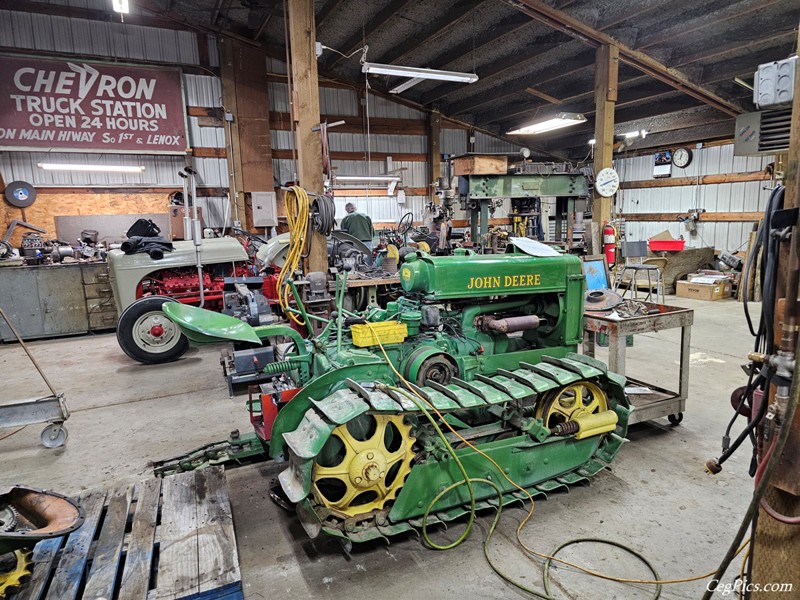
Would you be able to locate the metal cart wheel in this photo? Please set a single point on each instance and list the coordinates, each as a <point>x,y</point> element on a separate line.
<point>675,419</point>
<point>54,436</point>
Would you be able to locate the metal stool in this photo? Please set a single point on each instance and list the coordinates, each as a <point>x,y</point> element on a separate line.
<point>638,250</point>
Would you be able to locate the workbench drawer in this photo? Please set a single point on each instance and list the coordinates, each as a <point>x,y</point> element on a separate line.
<point>95,274</point>
<point>98,290</point>
<point>100,305</point>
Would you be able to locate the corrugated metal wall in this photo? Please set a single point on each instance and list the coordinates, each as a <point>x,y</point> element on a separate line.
<point>127,42</point>
<point>724,197</point>
<point>97,38</point>
<point>135,43</point>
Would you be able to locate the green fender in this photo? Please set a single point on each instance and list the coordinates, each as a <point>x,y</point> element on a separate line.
<point>289,416</point>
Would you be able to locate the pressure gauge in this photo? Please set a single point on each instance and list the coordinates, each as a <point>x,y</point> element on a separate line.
<point>682,157</point>
<point>607,182</point>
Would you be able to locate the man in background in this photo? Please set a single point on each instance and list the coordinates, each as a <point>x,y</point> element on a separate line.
<point>359,226</point>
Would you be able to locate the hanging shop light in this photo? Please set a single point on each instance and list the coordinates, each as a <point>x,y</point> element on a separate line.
<point>561,120</point>
<point>92,168</point>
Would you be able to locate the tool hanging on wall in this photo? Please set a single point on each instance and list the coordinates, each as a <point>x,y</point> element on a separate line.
<point>20,194</point>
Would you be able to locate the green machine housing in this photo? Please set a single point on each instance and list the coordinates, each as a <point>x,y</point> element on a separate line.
<point>488,341</point>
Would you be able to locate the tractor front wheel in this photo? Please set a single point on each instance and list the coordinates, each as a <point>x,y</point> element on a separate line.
<point>146,334</point>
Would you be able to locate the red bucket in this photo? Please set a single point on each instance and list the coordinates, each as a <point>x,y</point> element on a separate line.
<point>669,245</point>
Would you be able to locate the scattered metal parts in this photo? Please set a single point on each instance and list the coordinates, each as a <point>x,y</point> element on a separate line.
<point>9,517</point>
<point>631,308</point>
<point>601,300</point>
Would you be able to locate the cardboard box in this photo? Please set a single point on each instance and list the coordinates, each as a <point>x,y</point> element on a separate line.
<point>480,165</point>
<point>704,291</point>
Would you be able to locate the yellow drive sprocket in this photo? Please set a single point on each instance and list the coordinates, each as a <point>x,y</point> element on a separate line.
<point>567,403</point>
<point>363,464</point>
<point>12,579</point>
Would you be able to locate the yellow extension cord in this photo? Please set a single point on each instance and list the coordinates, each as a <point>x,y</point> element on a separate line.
<point>297,214</point>
<point>530,498</point>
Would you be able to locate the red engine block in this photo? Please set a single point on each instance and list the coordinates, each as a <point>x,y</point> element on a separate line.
<point>181,284</point>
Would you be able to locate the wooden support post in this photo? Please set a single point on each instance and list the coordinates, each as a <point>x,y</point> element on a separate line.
<point>249,147</point>
<point>605,96</point>
<point>228,77</point>
<point>777,544</point>
<point>434,132</point>
<point>305,112</point>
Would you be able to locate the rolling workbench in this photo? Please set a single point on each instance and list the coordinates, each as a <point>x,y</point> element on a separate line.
<point>659,402</point>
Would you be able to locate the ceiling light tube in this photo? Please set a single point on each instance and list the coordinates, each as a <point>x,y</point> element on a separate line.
<point>92,168</point>
<point>375,178</point>
<point>563,119</point>
<point>418,73</point>
<point>635,134</point>
<point>405,85</point>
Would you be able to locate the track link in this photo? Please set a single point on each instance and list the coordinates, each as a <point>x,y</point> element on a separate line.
<point>527,383</point>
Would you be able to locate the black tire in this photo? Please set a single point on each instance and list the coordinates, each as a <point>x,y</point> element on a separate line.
<point>134,339</point>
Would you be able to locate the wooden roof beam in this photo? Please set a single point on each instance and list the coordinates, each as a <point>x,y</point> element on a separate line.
<point>326,11</point>
<point>583,60</point>
<point>632,89</point>
<point>707,16</point>
<point>563,22</point>
<point>656,124</point>
<point>503,65</point>
<point>355,41</point>
<point>432,30</point>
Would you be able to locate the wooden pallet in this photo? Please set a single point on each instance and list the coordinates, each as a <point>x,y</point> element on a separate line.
<point>169,539</point>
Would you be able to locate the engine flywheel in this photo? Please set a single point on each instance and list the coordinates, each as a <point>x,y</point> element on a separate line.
<point>567,403</point>
<point>363,464</point>
<point>14,577</point>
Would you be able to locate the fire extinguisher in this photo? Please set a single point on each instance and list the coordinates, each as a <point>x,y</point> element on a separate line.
<point>609,243</point>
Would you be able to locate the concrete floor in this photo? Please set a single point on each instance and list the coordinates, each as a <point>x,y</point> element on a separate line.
<point>656,498</point>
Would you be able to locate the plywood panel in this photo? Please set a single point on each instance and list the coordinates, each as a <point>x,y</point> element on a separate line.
<point>48,206</point>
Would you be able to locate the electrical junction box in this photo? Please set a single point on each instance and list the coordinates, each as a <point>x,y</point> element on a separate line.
<point>773,83</point>
<point>265,210</point>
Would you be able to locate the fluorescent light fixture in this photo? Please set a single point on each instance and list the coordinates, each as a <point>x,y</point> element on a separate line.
<point>404,86</point>
<point>367,178</point>
<point>93,168</point>
<point>563,119</point>
<point>120,6</point>
<point>417,73</point>
<point>635,134</point>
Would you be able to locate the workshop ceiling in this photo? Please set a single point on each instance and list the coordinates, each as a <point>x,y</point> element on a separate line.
<point>536,57</point>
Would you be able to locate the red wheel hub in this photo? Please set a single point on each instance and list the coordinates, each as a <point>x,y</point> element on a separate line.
<point>156,331</point>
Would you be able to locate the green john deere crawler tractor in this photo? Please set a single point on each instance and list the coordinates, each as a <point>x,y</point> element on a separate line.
<point>484,343</point>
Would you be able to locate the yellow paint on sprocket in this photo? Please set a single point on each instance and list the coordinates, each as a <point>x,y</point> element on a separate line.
<point>363,465</point>
<point>14,578</point>
<point>566,403</point>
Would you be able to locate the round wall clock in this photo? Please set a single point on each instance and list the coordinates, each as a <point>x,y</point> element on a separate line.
<point>681,157</point>
<point>607,182</point>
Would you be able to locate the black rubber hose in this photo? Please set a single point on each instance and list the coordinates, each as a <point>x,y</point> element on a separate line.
<point>774,202</point>
<point>746,431</point>
<point>324,214</point>
<point>758,494</point>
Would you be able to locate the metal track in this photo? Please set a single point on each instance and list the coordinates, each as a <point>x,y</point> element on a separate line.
<point>525,383</point>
